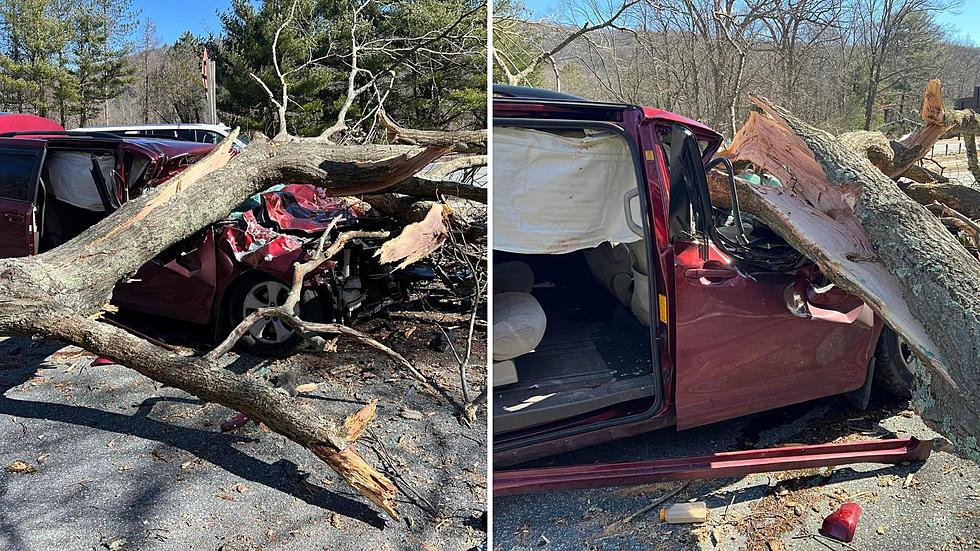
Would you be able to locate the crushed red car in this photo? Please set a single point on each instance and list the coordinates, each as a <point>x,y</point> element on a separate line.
<point>54,185</point>
<point>625,302</point>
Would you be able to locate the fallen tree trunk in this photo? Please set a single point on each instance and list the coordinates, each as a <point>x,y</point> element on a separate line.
<point>59,294</point>
<point>962,198</point>
<point>871,239</point>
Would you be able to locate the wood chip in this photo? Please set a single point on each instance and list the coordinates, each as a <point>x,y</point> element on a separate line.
<point>20,467</point>
<point>307,388</point>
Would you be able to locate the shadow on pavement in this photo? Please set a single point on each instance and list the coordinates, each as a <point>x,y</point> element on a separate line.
<point>214,447</point>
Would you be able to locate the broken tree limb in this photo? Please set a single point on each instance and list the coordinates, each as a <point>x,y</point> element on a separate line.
<point>418,239</point>
<point>871,239</point>
<point>420,186</point>
<point>894,157</point>
<point>962,198</point>
<point>410,209</point>
<point>449,166</point>
<point>463,141</point>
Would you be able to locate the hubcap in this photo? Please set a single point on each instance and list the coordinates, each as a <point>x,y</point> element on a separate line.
<point>267,294</point>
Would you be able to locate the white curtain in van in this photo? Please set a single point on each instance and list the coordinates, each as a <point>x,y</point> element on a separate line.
<point>70,177</point>
<point>556,194</point>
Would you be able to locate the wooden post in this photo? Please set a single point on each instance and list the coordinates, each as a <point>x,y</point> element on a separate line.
<point>212,93</point>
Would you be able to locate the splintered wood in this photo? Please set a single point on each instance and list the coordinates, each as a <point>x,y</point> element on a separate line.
<point>417,240</point>
<point>873,240</point>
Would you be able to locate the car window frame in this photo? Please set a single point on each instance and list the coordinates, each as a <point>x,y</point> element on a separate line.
<point>38,154</point>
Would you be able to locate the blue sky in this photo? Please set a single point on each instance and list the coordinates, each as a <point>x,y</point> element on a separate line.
<point>964,21</point>
<point>173,17</point>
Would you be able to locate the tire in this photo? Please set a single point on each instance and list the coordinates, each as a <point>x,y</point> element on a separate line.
<point>896,365</point>
<point>269,337</point>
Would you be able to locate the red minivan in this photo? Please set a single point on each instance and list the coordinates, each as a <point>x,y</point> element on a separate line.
<point>54,185</point>
<point>625,302</point>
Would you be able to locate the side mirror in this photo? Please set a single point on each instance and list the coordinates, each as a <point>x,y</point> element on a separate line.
<point>628,205</point>
<point>736,211</point>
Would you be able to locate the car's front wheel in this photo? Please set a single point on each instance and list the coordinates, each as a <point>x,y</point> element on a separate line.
<point>269,337</point>
<point>896,364</point>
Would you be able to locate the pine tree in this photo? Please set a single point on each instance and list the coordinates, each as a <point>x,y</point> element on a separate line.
<point>99,46</point>
<point>31,69</point>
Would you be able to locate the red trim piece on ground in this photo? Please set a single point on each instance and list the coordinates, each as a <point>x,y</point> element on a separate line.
<point>718,465</point>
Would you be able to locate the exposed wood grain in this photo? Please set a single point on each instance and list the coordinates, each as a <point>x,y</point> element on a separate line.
<point>417,240</point>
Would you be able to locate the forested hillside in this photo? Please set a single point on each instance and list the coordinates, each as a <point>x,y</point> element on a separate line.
<point>845,64</point>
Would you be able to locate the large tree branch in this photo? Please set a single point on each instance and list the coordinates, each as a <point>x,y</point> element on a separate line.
<point>463,141</point>
<point>86,268</point>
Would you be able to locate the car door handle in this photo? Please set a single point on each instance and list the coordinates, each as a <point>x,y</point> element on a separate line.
<point>13,217</point>
<point>710,273</point>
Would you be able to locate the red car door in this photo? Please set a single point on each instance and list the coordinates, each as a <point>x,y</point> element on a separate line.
<point>19,167</point>
<point>750,338</point>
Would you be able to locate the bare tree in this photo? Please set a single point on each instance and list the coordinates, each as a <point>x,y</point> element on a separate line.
<point>888,28</point>
<point>457,38</point>
<point>517,58</point>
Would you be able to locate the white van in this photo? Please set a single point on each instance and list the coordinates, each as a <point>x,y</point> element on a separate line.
<point>188,132</point>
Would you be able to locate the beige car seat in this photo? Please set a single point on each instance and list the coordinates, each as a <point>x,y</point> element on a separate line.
<point>640,301</point>
<point>519,321</point>
<point>512,276</point>
<point>612,267</point>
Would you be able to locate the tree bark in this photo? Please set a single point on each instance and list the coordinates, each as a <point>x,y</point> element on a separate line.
<point>873,240</point>
<point>962,198</point>
<point>59,294</point>
<point>420,186</point>
<point>463,141</point>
